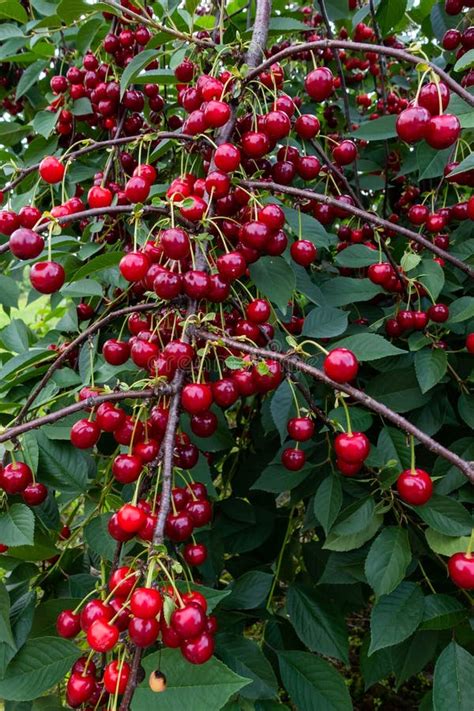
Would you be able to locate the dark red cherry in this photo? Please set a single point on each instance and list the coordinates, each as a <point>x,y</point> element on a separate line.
<point>195,554</point>
<point>461,570</point>
<point>196,397</point>
<point>353,447</point>
<point>146,603</point>
<point>300,428</point>
<point>116,352</point>
<point>188,621</point>
<point>47,277</point>
<point>179,526</point>
<point>412,124</point>
<point>15,477</point>
<point>25,244</point>
<point>415,486</point>
<point>341,365</point>
<point>200,512</point>
<point>293,459</point>
<point>143,632</point>
<point>84,434</point>
<point>319,84</point>
<point>68,624</point>
<point>198,650</point>
<point>34,494</point>
<point>303,252</point>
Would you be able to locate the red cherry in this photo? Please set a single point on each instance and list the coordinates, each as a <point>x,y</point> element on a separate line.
<point>99,197</point>
<point>451,39</point>
<point>188,621</point>
<point>216,114</point>
<point>51,170</point>
<point>175,243</point>
<point>227,157</point>
<point>415,487</point>
<point>348,468</point>
<point>225,393</point>
<point>439,313</point>
<point>142,632</point>
<point>293,459</point>
<point>195,554</point>
<point>267,378</point>
<point>146,603</point>
<point>308,167</point>
<point>272,216</point>
<point>84,434</point>
<point>194,208</point>
<point>380,273</point>
<point>68,624</point>
<point>116,352</point>
<point>429,97</point>
<point>137,189</point>
<point>353,447</point>
<point>276,125</point>
<point>25,244</point>
<point>217,183</point>
<point>461,570</point>
<point>194,597</point>
<point>258,311</point>
<point>319,84</point>
<point>196,398</point>
<point>303,252</point>
<point>231,266</point>
<point>47,277</point>
<point>122,581</point>
<point>168,285</point>
<point>15,477</point>
<point>418,214</point>
<point>92,611</point>
<point>412,124</point>
<point>470,342</point>
<point>102,636</point>
<point>341,365</point>
<point>179,526</point>
<point>134,266</point>
<point>204,424</point>
<point>300,428</point>
<point>147,451</point>
<point>307,126</point>
<point>442,131</point>
<point>130,518</point>
<point>109,417</point>
<point>145,171</point>
<point>200,512</point>
<point>345,153</point>
<point>116,676</point>
<point>79,689</point>
<point>255,144</point>
<point>195,284</point>
<point>198,650</point>
<point>34,494</point>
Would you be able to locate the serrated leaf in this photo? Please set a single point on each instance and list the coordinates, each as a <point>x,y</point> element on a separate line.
<point>305,226</point>
<point>325,322</point>
<point>430,367</point>
<point>378,129</point>
<point>446,516</point>
<point>5,627</point>
<point>98,538</point>
<point>139,62</point>
<point>62,466</point>
<point>442,612</point>
<point>44,122</point>
<point>312,683</point>
<point>350,541</point>
<point>17,526</point>
<point>452,679</point>
<point>369,346</point>
<point>464,62</point>
<point>245,658</point>
<point>328,502</point>
<point>396,616</point>
<point>387,560</point>
<point>445,545</point>
<point>357,255</point>
<point>29,77</point>
<point>461,310</point>
<point>275,279</point>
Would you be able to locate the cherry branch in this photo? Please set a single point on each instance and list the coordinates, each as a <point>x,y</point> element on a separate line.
<point>115,396</point>
<point>364,215</point>
<point>400,54</point>
<point>289,360</point>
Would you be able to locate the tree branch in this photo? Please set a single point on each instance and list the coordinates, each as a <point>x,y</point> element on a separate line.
<point>289,360</point>
<point>364,215</point>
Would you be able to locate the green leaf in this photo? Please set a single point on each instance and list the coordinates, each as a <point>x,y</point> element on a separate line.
<point>325,322</point>
<point>445,545</point>
<point>312,683</point>
<point>431,161</point>
<point>15,336</point>
<point>396,616</point>
<point>442,612</point>
<point>98,538</point>
<point>465,62</point>
<point>62,466</point>
<point>245,658</point>
<point>83,287</point>
<point>17,526</point>
<point>465,164</point>
<point>9,291</point>
<point>387,560</point>
<point>103,261</point>
<point>328,502</point>
<point>431,275</point>
<point>349,541</point>
<point>305,226</point>
<point>446,515</point>
<point>5,628</point>
<point>200,688</point>
<point>44,122</point>
<point>14,10</point>
<point>452,679</point>
<point>461,310</point>
<point>70,10</point>
<point>285,24</point>
<point>400,391</point>
<point>282,407</point>
<point>40,664</point>
<point>139,62</point>
<point>275,279</point>
<point>317,623</point>
<point>389,14</point>
<point>466,409</point>
<point>44,621</point>
<point>355,517</point>
<point>378,129</point>
<point>340,291</point>
<point>357,255</point>
<point>430,367</point>
<point>369,346</point>
<point>249,591</point>
<point>29,77</point>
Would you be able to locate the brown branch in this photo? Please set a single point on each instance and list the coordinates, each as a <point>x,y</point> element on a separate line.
<point>467,468</point>
<point>115,396</point>
<point>133,681</point>
<point>361,47</point>
<point>362,214</point>
<point>311,402</point>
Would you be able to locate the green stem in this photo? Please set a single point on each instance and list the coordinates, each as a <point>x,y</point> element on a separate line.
<point>280,559</point>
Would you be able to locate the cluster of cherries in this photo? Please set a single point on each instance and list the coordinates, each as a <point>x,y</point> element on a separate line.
<point>425,120</point>
<point>17,478</point>
<point>143,615</point>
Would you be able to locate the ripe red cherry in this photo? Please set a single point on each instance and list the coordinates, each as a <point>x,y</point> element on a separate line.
<point>439,313</point>
<point>470,342</point>
<point>116,352</point>
<point>204,424</point>
<point>84,434</point>
<point>353,447</point>
<point>51,170</point>
<point>417,214</point>
<point>134,266</point>
<point>92,611</point>
<point>116,676</point>
<point>461,570</point>
<point>99,197</point>
<point>255,144</point>
<point>380,273</point>
<point>231,266</point>
<point>147,451</point>
<point>122,581</point>
<point>145,171</point>
<point>109,417</point>
<point>217,183</point>
<point>131,518</point>
<point>303,252</point>
<point>412,124</point>
<point>293,459</point>
<point>179,526</point>
<point>195,554</point>
<point>225,392</point>
<point>137,189</point>
<point>200,512</point>
<point>194,208</point>
<point>199,649</point>
<point>34,494</point>
<point>196,398</point>
<point>102,636</point>
<point>415,487</point>
<point>272,216</point>
<point>308,167</point>
<point>300,428</point>
<point>146,603</point>
<point>258,311</point>
<point>25,244</point>
<point>188,621</point>
<point>345,153</point>
<point>319,84</point>
<point>276,125</point>
<point>175,243</point>
<point>79,689</point>
<point>348,468</point>
<point>47,277</point>
<point>142,632</point>
<point>227,157</point>
<point>442,131</point>
<point>451,39</point>
<point>68,624</point>
<point>341,365</point>
<point>307,126</point>
<point>15,477</point>
<point>429,97</point>
<point>216,114</point>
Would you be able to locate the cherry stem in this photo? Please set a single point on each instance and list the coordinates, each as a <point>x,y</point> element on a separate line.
<point>470,545</point>
<point>348,416</point>
<point>412,454</point>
